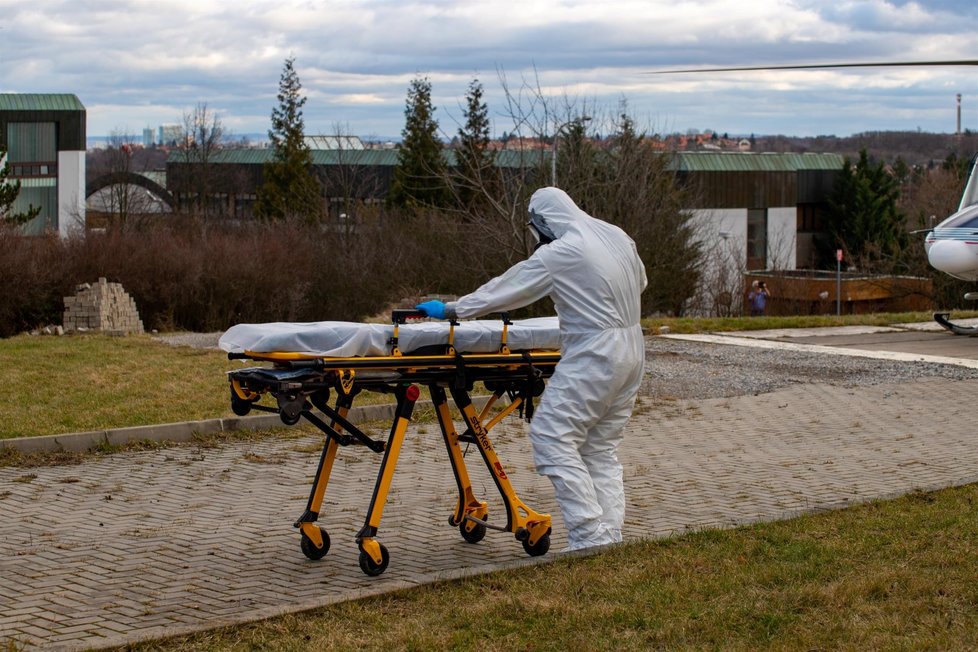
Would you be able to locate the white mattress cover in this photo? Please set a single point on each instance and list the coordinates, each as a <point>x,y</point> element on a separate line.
<point>342,339</point>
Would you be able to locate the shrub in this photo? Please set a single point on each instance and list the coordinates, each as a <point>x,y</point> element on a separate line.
<point>198,275</point>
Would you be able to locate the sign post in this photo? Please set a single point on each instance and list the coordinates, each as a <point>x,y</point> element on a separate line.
<point>838,282</point>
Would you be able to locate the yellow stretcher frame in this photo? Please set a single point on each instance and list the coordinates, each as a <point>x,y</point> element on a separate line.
<point>300,382</point>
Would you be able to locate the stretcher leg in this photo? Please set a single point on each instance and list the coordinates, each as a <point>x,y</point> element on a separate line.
<point>373,555</point>
<point>315,540</point>
<point>467,505</point>
<point>531,528</point>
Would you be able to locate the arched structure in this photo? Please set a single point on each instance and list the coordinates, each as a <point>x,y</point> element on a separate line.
<point>129,178</point>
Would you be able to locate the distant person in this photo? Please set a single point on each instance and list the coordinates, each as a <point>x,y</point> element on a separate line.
<point>757,297</point>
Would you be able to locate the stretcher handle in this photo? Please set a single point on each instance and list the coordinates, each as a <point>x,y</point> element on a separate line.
<point>402,315</point>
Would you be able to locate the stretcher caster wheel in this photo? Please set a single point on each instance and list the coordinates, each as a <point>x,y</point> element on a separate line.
<point>239,406</point>
<point>288,419</point>
<point>372,568</point>
<point>309,548</point>
<point>539,548</point>
<point>475,535</point>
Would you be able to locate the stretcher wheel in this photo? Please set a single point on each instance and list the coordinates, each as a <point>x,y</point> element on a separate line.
<point>309,548</point>
<point>288,419</point>
<point>539,548</point>
<point>239,406</point>
<point>370,567</point>
<point>477,534</point>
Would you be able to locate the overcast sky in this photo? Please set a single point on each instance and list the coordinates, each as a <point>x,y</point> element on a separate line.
<point>142,63</point>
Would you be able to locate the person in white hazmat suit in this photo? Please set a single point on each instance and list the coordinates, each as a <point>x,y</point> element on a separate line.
<point>592,271</point>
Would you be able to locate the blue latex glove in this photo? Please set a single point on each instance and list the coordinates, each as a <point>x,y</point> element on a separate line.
<point>434,309</point>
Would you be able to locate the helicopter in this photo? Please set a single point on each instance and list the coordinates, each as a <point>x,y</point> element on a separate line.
<point>952,245</point>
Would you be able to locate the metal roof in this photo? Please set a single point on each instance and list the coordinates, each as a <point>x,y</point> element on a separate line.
<point>371,157</point>
<point>365,157</point>
<point>40,102</point>
<point>755,162</point>
<point>682,161</point>
<point>333,142</point>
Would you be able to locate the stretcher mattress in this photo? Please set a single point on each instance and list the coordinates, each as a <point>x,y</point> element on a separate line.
<point>339,339</point>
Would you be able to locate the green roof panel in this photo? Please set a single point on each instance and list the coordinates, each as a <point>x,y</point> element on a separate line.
<point>754,162</point>
<point>40,102</point>
<point>365,157</point>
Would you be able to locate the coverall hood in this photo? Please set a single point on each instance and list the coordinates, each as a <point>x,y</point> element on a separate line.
<point>556,210</point>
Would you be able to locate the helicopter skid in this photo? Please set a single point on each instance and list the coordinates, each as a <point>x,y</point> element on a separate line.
<point>942,319</point>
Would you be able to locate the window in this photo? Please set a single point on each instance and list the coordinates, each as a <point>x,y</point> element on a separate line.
<point>757,238</point>
<point>32,142</point>
<point>968,219</point>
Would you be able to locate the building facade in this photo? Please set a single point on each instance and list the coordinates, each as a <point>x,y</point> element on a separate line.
<point>44,135</point>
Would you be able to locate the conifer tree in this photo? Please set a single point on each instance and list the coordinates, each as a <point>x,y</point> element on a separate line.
<point>8,195</point>
<point>419,177</point>
<point>474,160</point>
<point>863,219</point>
<point>291,189</point>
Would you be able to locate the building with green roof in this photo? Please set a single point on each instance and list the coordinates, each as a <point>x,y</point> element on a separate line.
<point>44,136</point>
<point>753,211</point>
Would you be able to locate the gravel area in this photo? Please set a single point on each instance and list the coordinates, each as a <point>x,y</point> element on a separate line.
<point>694,370</point>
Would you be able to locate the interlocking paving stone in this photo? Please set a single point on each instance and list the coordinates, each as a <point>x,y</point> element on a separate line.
<point>138,545</point>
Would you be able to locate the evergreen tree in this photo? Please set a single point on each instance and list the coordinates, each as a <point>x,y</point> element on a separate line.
<point>8,195</point>
<point>419,177</point>
<point>863,219</point>
<point>474,160</point>
<point>291,189</point>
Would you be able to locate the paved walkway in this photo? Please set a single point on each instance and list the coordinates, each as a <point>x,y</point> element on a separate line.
<point>140,545</point>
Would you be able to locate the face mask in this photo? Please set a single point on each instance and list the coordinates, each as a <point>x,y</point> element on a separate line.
<point>540,230</point>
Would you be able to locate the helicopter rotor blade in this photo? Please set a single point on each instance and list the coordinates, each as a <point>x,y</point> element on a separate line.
<point>815,66</point>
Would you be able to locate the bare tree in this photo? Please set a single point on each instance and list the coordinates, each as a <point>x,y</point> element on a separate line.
<point>121,203</point>
<point>354,187</point>
<point>203,134</point>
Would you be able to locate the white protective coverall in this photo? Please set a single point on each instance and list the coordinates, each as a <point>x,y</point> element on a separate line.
<point>594,275</point>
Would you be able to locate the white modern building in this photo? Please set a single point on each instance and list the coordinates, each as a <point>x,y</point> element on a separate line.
<point>44,135</point>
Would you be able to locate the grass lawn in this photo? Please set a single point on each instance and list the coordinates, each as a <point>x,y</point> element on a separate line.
<point>77,383</point>
<point>56,385</point>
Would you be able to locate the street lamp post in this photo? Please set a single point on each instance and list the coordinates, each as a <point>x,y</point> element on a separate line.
<point>553,154</point>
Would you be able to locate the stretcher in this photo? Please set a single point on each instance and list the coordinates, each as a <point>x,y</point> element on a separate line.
<point>305,363</point>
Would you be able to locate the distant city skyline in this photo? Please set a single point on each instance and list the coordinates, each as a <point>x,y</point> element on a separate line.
<point>138,65</point>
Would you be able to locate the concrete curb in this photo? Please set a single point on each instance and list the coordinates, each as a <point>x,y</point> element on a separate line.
<point>80,442</point>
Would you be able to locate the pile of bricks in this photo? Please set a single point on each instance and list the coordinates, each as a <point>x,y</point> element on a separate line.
<point>102,307</point>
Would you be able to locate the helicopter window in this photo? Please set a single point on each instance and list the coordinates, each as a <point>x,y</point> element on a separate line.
<point>966,219</point>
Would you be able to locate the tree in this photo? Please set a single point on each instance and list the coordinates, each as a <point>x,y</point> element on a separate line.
<point>632,185</point>
<point>863,219</point>
<point>932,195</point>
<point>473,178</point>
<point>290,189</point>
<point>9,189</point>
<point>121,203</point>
<point>203,134</point>
<point>419,177</point>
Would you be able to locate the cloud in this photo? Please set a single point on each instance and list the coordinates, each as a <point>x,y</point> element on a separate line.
<point>133,61</point>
